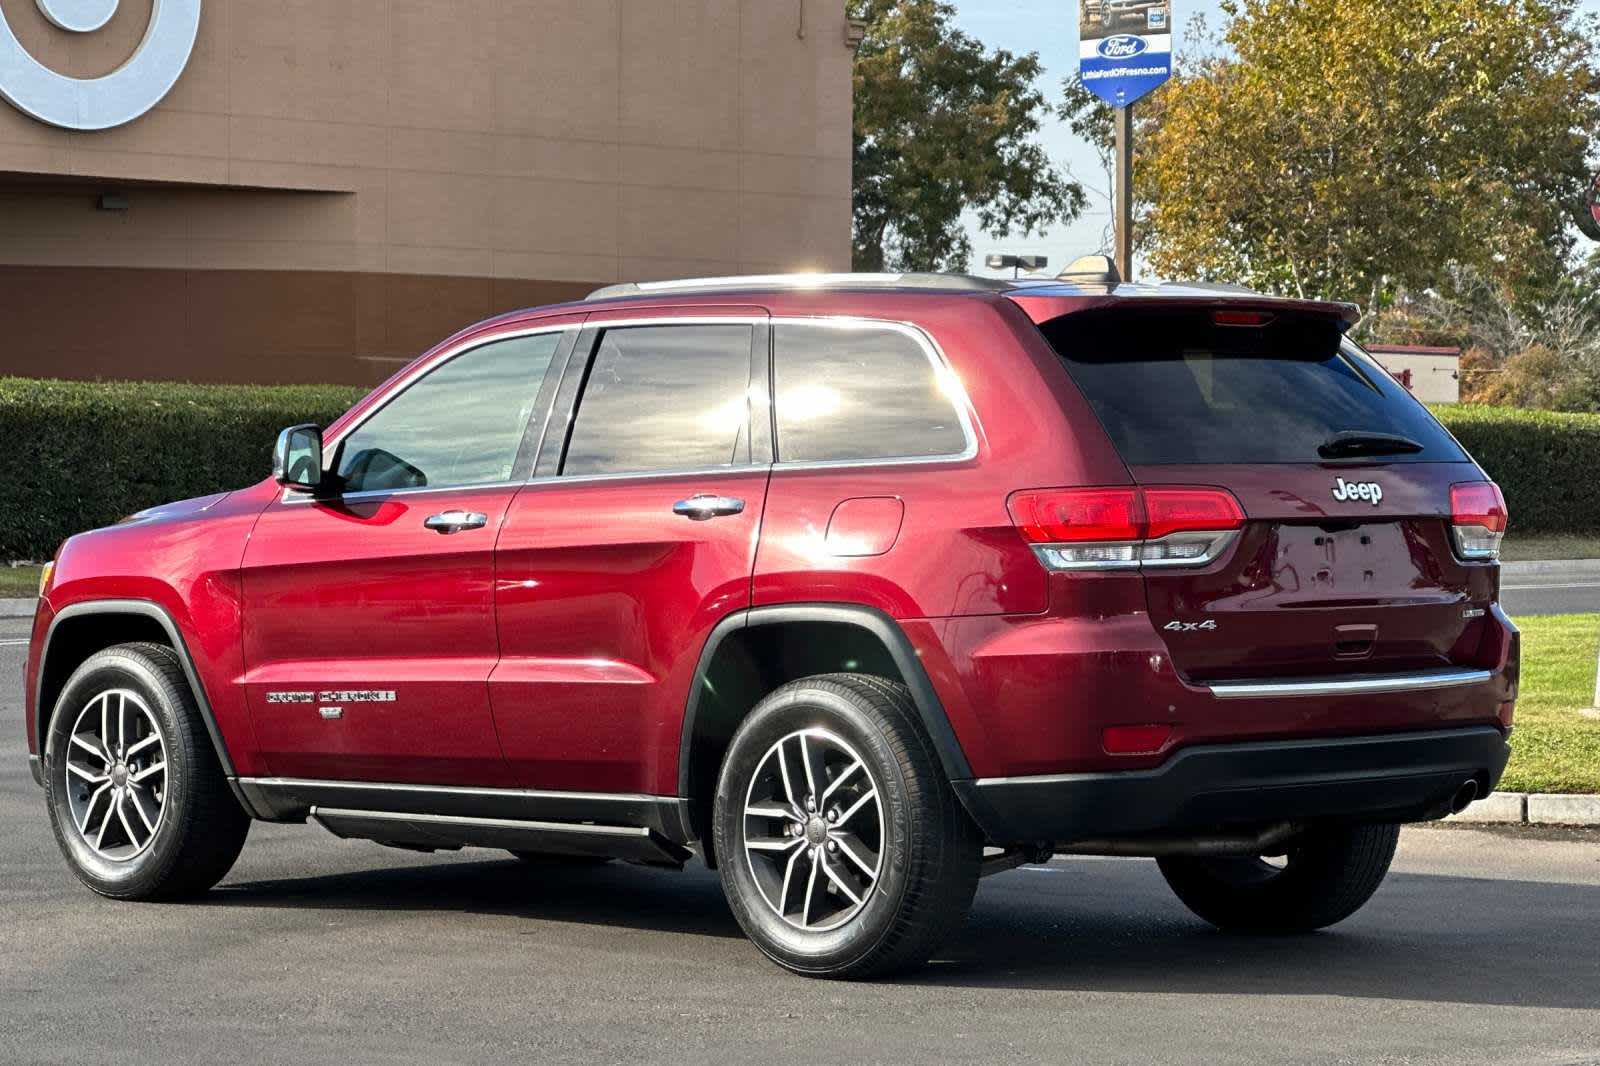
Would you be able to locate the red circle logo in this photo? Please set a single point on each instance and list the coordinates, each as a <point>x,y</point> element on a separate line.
<point>1594,199</point>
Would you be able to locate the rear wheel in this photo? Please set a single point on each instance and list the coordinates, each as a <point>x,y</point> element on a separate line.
<point>138,801</point>
<point>1326,876</point>
<point>845,852</point>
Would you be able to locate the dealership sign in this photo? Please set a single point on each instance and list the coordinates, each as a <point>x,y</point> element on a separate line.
<point>112,99</point>
<point>1125,47</point>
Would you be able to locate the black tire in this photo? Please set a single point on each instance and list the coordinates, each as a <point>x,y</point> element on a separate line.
<point>553,858</point>
<point>927,853</point>
<point>199,828</point>
<point>1328,875</point>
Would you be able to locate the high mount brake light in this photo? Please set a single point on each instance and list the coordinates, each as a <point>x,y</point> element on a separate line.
<point>1241,318</point>
<point>1478,519</point>
<point>1127,528</point>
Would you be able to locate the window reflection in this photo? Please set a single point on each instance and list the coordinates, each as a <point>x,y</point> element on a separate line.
<point>462,424</point>
<point>664,398</point>
<point>861,393</point>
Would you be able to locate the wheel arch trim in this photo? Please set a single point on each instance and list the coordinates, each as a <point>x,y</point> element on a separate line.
<point>158,614</point>
<point>877,624</point>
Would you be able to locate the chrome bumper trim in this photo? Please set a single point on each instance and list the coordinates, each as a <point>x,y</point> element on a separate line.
<point>1364,685</point>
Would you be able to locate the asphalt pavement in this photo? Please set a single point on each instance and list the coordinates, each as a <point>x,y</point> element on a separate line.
<point>1481,947</point>
<point>1551,588</point>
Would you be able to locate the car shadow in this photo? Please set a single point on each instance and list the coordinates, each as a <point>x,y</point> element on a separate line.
<point>1100,927</point>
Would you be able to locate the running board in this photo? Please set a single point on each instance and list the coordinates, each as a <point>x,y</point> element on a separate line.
<point>434,832</point>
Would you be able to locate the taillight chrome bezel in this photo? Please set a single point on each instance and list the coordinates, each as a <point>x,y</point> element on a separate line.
<point>1141,554</point>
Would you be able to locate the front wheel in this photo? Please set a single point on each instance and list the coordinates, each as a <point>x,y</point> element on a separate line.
<point>844,850</point>
<point>138,801</point>
<point>1326,876</point>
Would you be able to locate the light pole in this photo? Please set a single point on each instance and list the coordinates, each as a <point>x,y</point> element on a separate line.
<point>1016,263</point>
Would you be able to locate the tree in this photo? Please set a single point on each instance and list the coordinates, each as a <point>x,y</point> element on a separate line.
<point>943,126</point>
<point>1356,148</point>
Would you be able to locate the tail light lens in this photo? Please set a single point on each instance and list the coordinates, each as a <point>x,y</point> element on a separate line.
<point>1478,519</point>
<point>1127,528</point>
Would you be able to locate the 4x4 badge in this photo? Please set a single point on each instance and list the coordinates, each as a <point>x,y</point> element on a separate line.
<point>1345,491</point>
<point>1190,627</point>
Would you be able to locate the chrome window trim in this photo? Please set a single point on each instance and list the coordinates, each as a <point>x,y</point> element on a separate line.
<point>1418,681</point>
<point>930,347</point>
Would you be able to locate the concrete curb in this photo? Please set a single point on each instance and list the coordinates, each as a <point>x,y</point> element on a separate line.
<point>1550,566</point>
<point>1535,808</point>
<point>17,608</point>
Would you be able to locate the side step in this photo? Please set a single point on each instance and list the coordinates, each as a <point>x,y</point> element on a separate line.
<point>434,832</point>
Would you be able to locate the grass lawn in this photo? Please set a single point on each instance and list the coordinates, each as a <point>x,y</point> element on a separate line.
<point>1555,748</point>
<point>1548,546</point>
<point>18,581</point>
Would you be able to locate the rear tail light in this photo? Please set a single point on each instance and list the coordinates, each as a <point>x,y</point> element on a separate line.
<point>1127,528</point>
<point>1477,519</point>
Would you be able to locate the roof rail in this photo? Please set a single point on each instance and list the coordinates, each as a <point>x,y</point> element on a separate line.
<point>937,282</point>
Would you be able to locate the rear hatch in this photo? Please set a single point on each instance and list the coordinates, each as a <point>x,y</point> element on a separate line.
<point>1345,562</point>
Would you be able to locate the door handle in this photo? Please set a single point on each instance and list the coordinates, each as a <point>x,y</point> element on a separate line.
<point>704,507</point>
<point>455,521</point>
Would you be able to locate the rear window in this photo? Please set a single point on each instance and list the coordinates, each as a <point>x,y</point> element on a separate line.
<point>1174,387</point>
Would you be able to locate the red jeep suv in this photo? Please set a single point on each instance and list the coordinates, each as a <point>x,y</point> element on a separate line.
<point>858,587</point>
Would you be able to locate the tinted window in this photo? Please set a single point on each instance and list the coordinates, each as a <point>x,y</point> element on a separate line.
<point>860,392</point>
<point>460,425</point>
<point>664,398</point>
<point>1176,388</point>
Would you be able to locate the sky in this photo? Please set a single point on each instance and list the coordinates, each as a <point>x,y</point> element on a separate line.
<point>1050,28</point>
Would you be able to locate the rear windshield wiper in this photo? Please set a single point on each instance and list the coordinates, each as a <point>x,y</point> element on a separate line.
<point>1349,443</point>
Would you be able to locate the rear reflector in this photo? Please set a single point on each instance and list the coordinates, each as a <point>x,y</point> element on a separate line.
<point>1478,519</point>
<point>1125,528</point>
<point>1134,739</point>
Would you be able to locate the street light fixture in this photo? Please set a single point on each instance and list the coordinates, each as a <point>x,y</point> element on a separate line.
<point>1017,263</point>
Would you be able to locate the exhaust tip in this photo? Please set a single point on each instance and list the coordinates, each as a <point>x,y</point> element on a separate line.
<point>1464,795</point>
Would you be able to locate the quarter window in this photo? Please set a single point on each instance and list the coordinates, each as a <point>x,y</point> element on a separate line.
<point>462,424</point>
<point>664,398</point>
<point>861,392</point>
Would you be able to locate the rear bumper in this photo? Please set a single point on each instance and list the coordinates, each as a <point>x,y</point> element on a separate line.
<point>1398,777</point>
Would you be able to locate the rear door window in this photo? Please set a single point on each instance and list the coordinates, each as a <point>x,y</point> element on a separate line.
<point>861,392</point>
<point>1176,387</point>
<point>664,398</point>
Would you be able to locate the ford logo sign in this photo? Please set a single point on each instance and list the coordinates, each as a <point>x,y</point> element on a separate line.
<point>1121,46</point>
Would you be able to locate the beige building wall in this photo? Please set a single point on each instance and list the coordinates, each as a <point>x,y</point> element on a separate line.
<point>334,184</point>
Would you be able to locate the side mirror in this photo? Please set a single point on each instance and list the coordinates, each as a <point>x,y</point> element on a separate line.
<point>297,460</point>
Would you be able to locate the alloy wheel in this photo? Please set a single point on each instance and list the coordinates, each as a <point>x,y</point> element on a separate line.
<point>813,830</point>
<point>116,775</point>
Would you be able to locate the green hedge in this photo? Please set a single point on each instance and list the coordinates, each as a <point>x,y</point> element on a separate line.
<point>1547,464</point>
<point>78,455</point>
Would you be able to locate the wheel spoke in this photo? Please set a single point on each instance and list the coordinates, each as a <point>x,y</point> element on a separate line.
<point>761,810</point>
<point>88,811</point>
<point>92,778</point>
<point>853,849</point>
<point>839,882</point>
<point>97,752</point>
<point>122,816</point>
<point>811,890</point>
<point>104,824</point>
<point>844,775</point>
<point>139,777</point>
<point>133,752</point>
<point>850,812</point>
<point>816,773</point>
<point>122,726</point>
<point>772,843</point>
<point>105,725</point>
<point>788,883</point>
<point>783,772</point>
<point>136,798</point>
